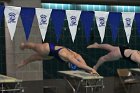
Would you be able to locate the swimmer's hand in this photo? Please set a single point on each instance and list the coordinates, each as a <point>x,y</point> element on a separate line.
<point>94,67</point>
<point>94,72</point>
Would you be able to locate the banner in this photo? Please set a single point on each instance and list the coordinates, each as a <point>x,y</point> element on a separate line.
<point>137,19</point>
<point>101,19</point>
<point>11,17</point>
<point>87,21</point>
<point>1,13</point>
<point>73,19</point>
<point>114,21</point>
<point>57,17</point>
<point>128,18</point>
<point>27,16</point>
<point>43,16</point>
<point>58,21</point>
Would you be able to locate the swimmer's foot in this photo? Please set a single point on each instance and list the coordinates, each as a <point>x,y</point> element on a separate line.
<point>21,64</point>
<point>22,46</point>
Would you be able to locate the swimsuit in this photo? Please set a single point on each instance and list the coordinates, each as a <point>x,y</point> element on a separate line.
<point>54,52</point>
<point>122,49</point>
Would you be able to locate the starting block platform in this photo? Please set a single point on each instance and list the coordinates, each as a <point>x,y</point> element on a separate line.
<point>83,79</point>
<point>10,85</point>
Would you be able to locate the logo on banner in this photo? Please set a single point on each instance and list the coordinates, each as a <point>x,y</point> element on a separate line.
<point>101,21</point>
<point>43,19</point>
<point>73,20</point>
<point>128,22</point>
<point>12,17</point>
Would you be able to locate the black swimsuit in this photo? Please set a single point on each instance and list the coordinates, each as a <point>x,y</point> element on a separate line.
<point>122,49</point>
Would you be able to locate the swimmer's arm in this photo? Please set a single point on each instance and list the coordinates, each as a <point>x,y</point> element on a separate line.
<point>81,65</point>
<point>78,57</point>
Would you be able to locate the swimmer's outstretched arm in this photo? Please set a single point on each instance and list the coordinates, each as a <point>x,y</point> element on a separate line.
<point>79,58</point>
<point>81,65</point>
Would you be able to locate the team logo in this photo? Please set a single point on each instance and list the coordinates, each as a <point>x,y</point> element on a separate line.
<point>72,66</point>
<point>73,20</point>
<point>101,21</point>
<point>12,17</point>
<point>43,19</point>
<point>128,22</point>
